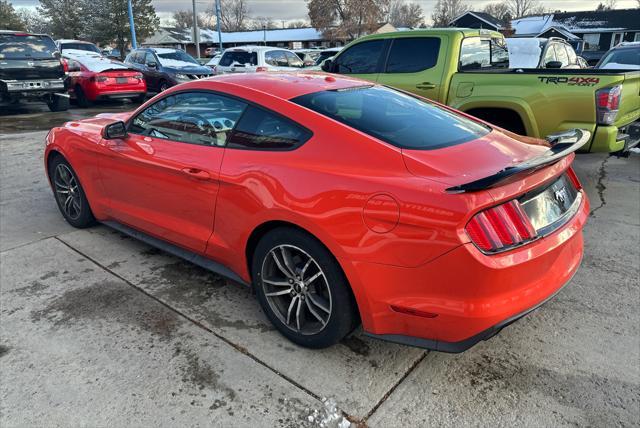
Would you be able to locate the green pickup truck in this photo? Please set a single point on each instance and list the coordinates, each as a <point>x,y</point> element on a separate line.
<point>468,70</point>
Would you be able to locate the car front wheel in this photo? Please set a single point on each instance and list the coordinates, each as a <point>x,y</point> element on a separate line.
<point>302,289</point>
<point>70,196</point>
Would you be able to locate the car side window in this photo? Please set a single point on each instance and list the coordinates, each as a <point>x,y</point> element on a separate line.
<point>293,60</point>
<point>550,55</point>
<point>139,57</point>
<point>573,58</point>
<point>361,58</point>
<point>149,58</point>
<point>561,54</point>
<point>276,58</point>
<point>259,129</point>
<point>190,117</point>
<point>409,55</point>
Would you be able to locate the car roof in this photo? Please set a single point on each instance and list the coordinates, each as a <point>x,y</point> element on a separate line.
<point>254,48</point>
<point>26,33</point>
<point>72,41</point>
<point>419,32</point>
<point>284,85</point>
<point>627,45</point>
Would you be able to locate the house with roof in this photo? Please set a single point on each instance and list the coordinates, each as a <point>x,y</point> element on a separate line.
<point>592,33</point>
<point>478,20</point>
<point>292,38</point>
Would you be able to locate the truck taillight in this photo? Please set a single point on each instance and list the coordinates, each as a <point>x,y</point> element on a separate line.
<point>607,103</point>
<point>65,64</point>
<point>500,228</point>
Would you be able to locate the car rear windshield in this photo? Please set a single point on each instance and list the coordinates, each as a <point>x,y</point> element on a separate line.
<point>394,117</point>
<point>81,47</point>
<point>621,57</point>
<point>238,57</point>
<point>19,46</point>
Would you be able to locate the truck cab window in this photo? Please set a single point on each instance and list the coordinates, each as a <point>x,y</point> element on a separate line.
<point>482,53</point>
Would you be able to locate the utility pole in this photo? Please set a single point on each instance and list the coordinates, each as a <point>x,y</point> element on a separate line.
<point>218,21</point>
<point>196,36</point>
<point>264,34</point>
<point>134,43</point>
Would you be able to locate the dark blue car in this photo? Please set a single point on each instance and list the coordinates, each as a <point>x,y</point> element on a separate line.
<point>165,67</point>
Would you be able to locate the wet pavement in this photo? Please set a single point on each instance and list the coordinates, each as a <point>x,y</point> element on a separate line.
<point>99,329</point>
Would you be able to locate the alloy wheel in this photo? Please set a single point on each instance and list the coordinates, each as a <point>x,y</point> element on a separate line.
<point>67,191</point>
<point>296,289</point>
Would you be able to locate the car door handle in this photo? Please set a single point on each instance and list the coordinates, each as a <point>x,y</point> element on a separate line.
<point>426,85</point>
<point>196,173</point>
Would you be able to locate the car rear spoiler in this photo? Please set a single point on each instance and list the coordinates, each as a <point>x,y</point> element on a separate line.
<point>562,144</point>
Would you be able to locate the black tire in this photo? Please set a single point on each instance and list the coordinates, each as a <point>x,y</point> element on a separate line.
<point>83,101</point>
<point>78,212</point>
<point>163,86</point>
<point>58,104</point>
<point>342,316</point>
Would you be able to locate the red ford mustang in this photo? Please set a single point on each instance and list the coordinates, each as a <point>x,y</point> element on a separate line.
<point>95,78</point>
<point>340,201</point>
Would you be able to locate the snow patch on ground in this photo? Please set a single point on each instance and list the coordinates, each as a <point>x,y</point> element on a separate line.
<point>524,53</point>
<point>329,416</point>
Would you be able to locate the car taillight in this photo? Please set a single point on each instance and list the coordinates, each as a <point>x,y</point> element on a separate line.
<point>138,76</point>
<point>574,178</point>
<point>99,78</point>
<point>607,103</point>
<point>500,228</point>
<point>261,68</point>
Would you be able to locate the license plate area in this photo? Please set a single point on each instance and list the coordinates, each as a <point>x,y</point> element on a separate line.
<point>551,207</point>
<point>122,80</point>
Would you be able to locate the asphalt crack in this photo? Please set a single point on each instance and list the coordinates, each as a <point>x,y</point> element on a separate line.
<point>600,186</point>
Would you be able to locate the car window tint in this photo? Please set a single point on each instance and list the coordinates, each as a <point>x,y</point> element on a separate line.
<point>397,118</point>
<point>550,55</point>
<point>573,58</point>
<point>26,46</point>
<point>561,54</point>
<point>478,53</point>
<point>360,59</point>
<point>191,117</point>
<point>149,58</point>
<point>263,130</point>
<point>409,55</point>
<point>276,58</point>
<point>293,60</point>
<point>238,58</point>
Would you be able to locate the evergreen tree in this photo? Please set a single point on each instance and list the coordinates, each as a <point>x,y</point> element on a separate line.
<point>66,17</point>
<point>9,19</point>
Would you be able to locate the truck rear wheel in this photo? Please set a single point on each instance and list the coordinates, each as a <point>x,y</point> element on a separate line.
<point>58,103</point>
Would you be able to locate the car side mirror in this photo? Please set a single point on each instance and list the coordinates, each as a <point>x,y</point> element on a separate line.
<point>152,64</point>
<point>553,64</point>
<point>327,65</point>
<point>114,131</point>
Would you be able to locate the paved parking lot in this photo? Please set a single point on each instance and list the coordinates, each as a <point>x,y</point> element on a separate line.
<point>97,329</point>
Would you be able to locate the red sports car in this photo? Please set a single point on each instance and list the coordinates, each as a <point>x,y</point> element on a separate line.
<point>95,78</point>
<point>338,200</point>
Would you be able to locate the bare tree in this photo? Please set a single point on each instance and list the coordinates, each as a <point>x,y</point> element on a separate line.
<point>446,10</point>
<point>35,23</point>
<point>500,11</point>
<point>184,19</point>
<point>234,15</point>
<point>403,14</point>
<point>520,8</point>
<point>346,19</point>
<point>300,24</point>
<point>263,22</point>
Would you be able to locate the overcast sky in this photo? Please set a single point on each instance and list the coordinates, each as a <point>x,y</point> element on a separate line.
<point>297,9</point>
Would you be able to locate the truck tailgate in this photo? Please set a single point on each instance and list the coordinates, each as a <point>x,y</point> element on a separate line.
<point>629,109</point>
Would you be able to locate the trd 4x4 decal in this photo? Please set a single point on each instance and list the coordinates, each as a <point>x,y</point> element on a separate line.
<point>571,81</point>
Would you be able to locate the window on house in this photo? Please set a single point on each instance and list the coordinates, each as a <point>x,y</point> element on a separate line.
<point>591,42</point>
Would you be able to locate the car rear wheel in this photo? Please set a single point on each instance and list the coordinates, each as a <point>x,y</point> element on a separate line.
<point>58,104</point>
<point>302,289</point>
<point>83,101</point>
<point>70,196</point>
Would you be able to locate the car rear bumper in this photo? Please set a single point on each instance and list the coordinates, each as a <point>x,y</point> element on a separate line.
<point>611,139</point>
<point>119,95</point>
<point>465,296</point>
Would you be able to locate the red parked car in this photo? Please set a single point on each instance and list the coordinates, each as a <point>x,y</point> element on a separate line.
<point>95,78</point>
<point>339,200</point>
